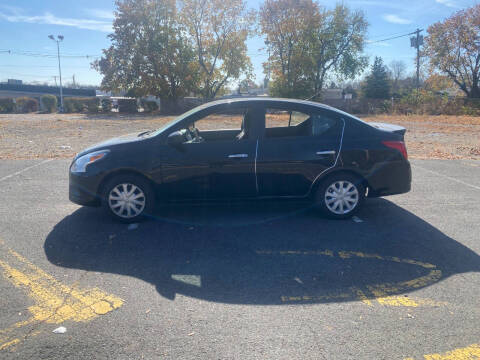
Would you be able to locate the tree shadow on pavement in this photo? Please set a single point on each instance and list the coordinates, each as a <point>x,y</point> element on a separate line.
<point>268,253</point>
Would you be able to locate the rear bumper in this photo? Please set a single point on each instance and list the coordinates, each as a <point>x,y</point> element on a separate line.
<point>390,178</point>
<point>82,190</point>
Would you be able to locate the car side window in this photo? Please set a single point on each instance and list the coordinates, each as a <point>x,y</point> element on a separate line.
<point>222,120</point>
<point>323,125</point>
<point>286,123</point>
<point>222,125</point>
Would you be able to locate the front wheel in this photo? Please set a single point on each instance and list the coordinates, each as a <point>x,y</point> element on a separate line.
<point>128,198</point>
<point>340,196</point>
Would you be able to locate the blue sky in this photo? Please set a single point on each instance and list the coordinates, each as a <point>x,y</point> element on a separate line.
<point>26,24</point>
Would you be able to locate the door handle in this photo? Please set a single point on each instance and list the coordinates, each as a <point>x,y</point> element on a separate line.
<point>329,152</point>
<point>238,156</point>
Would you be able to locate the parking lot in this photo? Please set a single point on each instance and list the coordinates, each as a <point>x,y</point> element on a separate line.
<point>242,280</point>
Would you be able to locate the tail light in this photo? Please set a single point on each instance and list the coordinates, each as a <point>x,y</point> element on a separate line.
<point>397,145</point>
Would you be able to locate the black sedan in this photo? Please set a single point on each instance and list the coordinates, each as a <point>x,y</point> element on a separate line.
<point>252,148</point>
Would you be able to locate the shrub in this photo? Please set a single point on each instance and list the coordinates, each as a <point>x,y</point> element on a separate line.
<point>26,105</point>
<point>7,105</point>
<point>149,106</point>
<point>49,103</point>
<point>74,104</point>
<point>106,104</point>
<point>127,105</point>
<point>92,104</point>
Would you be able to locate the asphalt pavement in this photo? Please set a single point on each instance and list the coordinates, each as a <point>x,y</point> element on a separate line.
<point>241,280</point>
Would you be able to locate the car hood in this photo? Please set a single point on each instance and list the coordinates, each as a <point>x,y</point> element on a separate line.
<point>124,139</point>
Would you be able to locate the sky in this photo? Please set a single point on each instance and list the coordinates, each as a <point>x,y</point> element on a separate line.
<point>85,25</point>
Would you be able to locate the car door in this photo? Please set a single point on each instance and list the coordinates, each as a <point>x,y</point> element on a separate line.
<point>298,144</point>
<point>223,163</point>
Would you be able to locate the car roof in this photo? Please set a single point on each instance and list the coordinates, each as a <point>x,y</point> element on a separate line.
<point>268,99</point>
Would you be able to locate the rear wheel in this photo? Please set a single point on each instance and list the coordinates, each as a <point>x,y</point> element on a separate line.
<point>340,196</point>
<point>128,198</point>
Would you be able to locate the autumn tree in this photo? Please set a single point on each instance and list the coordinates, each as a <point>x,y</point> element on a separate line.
<point>149,54</point>
<point>288,27</point>
<point>377,85</point>
<point>309,44</point>
<point>218,30</point>
<point>453,48</point>
<point>338,43</point>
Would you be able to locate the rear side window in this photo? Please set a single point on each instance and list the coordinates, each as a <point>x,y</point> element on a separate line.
<point>292,123</point>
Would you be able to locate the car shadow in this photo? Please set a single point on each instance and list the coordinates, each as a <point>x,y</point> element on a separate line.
<point>268,253</point>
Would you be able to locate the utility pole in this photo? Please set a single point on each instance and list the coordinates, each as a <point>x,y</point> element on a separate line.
<point>416,42</point>
<point>73,80</point>
<point>58,40</point>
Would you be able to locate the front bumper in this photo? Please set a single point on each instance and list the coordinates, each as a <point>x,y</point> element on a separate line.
<point>390,178</point>
<point>83,190</point>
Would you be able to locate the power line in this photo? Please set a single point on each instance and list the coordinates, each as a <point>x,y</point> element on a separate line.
<point>391,38</point>
<point>47,55</point>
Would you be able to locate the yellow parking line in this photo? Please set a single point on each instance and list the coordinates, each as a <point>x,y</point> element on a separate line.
<point>471,352</point>
<point>54,302</point>
<point>386,294</point>
<point>8,344</point>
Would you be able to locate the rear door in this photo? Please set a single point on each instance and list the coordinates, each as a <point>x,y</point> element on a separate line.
<point>298,143</point>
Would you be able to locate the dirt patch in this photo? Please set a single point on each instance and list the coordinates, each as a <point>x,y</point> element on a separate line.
<point>438,137</point>
<point>29,136</point>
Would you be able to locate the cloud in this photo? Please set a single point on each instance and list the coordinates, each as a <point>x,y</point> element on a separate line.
<point>50,19</point>
<point>101,14</point>
<point>449,3</point>
<point>395,19</point>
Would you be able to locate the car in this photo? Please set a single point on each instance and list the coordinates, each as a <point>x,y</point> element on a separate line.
<point>246,148</point>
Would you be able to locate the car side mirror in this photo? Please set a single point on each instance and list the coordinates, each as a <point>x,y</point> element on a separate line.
<point>176,139</point>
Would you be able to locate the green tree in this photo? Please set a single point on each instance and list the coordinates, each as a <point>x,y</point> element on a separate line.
<point>288,27</point>
<point>453,48</point>
<point>149,54</point>
<point>377,85</point>
<point>338,43</point>
<point>309,44</point>
<point>218,30</point>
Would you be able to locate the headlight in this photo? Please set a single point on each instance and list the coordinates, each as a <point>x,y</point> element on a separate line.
<point>80,165</point>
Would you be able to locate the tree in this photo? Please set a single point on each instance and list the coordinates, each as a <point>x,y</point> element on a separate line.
<point>397,68</point>
<point>308,44</point>
<point>338,42</point>
<point>377,85</point>
<point>288,26</point>
<point>453,48</point>
<point>218,30</point>
<point>149,54</point>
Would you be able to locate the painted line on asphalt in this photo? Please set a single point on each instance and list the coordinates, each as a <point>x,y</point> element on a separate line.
<point>447,177</point>
<point>385,294</point>
<point>467,353</point>
<point>26,169</point>
<point>54,302</point>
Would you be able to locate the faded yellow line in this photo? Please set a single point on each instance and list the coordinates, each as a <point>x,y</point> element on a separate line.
<point>8,344</point>
<point>471,352</point>
<point>54,302</point>
<point>386,294</point>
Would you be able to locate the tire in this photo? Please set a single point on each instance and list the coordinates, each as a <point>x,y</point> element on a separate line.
<point>332,203</point>
<point>128,198</point>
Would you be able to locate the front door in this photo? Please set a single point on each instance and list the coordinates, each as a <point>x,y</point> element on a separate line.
<point>298,144</point>
<point>219,160</point>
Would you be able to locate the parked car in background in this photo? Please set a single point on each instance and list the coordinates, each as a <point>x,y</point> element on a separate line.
<point>251,148</point>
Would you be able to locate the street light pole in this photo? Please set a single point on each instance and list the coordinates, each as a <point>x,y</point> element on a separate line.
<point>58,40</point>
